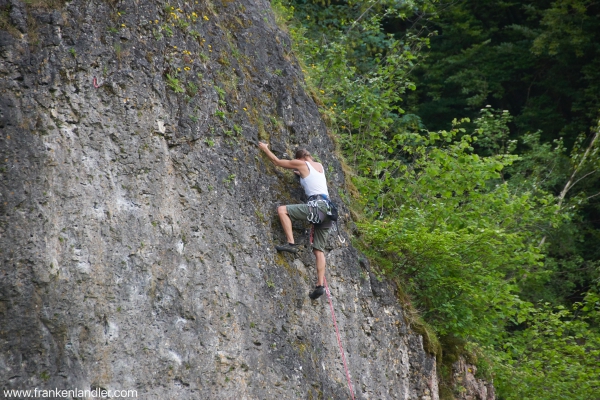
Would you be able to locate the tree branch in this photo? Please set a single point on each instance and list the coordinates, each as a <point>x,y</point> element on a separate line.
<point>594,195</point>
<point>570,182</point>
<point>361,15</point>
<point>585,176</point>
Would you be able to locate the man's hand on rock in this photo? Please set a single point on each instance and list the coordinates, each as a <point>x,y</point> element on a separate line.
<point>263,146</point>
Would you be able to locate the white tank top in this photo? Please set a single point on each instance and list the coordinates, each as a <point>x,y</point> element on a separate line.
<point>315,182</point>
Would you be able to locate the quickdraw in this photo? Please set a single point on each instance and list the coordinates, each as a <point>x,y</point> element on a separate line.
<point>95,83</point>
<point>314,213</point>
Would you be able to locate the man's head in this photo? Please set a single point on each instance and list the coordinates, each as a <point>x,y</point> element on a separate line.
<point>302,154</point>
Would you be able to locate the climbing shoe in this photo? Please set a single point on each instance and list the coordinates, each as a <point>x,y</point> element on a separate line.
<point>318,292</point>
<point>289,247</point>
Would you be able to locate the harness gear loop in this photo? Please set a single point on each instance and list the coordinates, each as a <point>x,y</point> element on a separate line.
<point>313,211</point>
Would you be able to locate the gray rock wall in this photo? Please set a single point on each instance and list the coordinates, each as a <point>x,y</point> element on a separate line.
<point>468,386</point>
<point>137,216</point>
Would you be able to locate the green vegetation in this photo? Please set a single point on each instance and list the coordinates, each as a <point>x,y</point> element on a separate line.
<point>183,25</point>
<point>537,59</point>
<point>220,92</point>
<point>237,129</point>
<point>167,29</point>
<point>118,51</point>
<point>191,89</point>
<point>229,180</point>
<point>45,376</point>
<point>220,114</point>
<point>174,83</point>
<point>473,192</point>
<point>155,32</point>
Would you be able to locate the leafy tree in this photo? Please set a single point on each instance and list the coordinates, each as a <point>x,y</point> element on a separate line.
<point>556,356</point>
<point>457,215</point>
<point>539,59</point>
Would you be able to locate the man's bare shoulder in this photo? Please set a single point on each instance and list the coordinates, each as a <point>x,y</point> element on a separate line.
<point>318,166</point>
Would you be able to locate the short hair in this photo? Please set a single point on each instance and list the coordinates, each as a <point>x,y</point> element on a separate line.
<point>301,153</point>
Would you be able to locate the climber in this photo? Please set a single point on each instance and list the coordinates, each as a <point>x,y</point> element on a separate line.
<point>312,179</point>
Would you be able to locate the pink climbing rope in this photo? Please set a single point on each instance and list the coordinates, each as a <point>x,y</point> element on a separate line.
<point>337,332</point>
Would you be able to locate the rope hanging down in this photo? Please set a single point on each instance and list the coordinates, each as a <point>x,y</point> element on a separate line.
<point>337,332</point>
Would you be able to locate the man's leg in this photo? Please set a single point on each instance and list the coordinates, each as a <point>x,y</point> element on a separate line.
<point>286,223</point>
<point>286,215</point>
<point>319,242</point>
<point>320,258</point>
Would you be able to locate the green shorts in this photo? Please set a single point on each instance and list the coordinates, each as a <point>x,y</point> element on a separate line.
<point>299,212</point>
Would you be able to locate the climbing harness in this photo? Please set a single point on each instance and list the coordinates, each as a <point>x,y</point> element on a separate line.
<point>337,332</point>
<point>316,216</point>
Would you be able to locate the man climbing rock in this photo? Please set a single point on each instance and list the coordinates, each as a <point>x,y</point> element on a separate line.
<point>312,179</point>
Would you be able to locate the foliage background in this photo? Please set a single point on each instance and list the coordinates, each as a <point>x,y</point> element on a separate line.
<point>470,130</point>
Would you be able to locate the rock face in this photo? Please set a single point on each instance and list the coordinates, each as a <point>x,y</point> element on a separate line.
<point>468,386</point>
<point>137,216</point>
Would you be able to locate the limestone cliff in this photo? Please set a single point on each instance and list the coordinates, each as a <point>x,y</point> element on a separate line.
<point>137,216</point>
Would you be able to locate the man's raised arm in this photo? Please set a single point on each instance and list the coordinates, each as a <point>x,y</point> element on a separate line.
<point>289,164</point>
